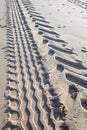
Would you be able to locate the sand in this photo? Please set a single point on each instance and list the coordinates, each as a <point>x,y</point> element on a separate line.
<point>3,82</point>
<point>43,65</point>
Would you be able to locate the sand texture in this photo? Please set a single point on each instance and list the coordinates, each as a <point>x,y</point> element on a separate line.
<point>43,65</point>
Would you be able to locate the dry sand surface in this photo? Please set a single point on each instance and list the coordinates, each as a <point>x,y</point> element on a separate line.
<point>43,65</point>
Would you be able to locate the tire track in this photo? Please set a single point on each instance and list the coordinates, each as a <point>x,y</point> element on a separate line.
<point>14,113</point>
<point>41,24</point>
<point>37,105</point>
<point>69,60</point>
<point>23,78</point>
<point>32,61</point>
<point>35,62</point>
<point>33,76</point>
<point>56,109</point>
<point>79,3</point>
<point>22,67</point>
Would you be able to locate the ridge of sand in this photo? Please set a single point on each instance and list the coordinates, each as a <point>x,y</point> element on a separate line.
<point>46,78</point>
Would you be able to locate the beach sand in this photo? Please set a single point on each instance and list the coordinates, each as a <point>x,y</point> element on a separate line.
<point>43,65</point>
<point>3,69</point>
